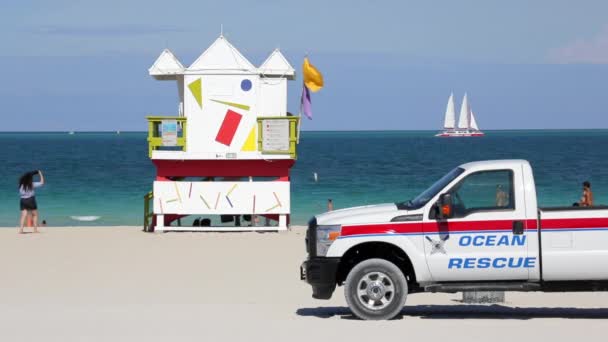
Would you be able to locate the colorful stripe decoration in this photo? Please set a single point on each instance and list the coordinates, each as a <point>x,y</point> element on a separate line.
<point>232,189</point>
<point>278,205</point>
<point>179,197</point>
<point>233,104</point>
<point>273,207</point>
<point>228,199</point>
<point>206,204</point>
<point>228,194</point>
<point>277,198</point>
<point>217,200</point>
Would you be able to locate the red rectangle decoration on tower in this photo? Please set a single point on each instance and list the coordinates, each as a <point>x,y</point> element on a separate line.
<point>228,127</point>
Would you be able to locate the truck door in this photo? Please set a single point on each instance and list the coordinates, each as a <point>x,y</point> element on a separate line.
<point>486,237</point>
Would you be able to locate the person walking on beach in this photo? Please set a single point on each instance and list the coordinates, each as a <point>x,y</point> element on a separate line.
<point>587,198</point>
<point>27,196</point>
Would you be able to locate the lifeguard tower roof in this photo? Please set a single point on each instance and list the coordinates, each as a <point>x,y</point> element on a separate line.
<point>277,65</point>
<point>223,57</point>
<point>166,66</point>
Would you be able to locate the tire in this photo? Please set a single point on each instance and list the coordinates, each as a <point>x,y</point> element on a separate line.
<point>375,289</point>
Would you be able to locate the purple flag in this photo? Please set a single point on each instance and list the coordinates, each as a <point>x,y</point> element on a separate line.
<point>305,104</point>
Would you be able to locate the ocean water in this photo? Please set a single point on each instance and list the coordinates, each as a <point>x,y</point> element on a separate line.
<point>107,175</point>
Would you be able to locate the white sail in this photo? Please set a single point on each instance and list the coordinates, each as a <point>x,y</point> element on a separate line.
<point>450,114</point>
<point>473,122</point>
<point>463,121</point>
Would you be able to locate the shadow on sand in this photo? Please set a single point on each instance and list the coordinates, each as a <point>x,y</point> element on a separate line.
<point>469,312</point>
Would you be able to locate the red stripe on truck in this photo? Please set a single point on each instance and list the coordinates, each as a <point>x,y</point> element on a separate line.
<point>469,226</point>
<point>565,223</point>
<point>381,228</point>
<point>466,226</point>
<point>432,227</point>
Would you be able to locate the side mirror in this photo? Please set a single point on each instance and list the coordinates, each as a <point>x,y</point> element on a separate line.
<point>444,206</point>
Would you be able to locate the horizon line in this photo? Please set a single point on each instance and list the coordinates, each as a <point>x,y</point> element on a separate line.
<point>332,130</point>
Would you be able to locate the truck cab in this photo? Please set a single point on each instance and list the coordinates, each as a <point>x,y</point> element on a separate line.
<point>478,227</point>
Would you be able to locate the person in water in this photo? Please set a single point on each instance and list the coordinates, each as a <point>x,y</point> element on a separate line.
<point>587,198</point>
<point>27,196</point>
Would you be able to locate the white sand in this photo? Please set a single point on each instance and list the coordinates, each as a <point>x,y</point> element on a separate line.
<point>120,284</point>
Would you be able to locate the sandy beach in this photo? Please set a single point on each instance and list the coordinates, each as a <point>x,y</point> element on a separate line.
<point>120,284</point>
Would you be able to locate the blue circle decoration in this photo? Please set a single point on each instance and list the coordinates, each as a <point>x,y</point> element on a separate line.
<point>246,85</point>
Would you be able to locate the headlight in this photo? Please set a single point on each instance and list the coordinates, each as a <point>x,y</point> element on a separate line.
<point>326,235</point>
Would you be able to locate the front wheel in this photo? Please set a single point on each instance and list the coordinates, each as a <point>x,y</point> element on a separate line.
<point>375,289</point>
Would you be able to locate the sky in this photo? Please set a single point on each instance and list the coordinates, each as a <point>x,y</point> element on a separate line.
<point>82,65</point>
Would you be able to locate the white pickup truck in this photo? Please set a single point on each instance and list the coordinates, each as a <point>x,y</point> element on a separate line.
<point>477,228</point>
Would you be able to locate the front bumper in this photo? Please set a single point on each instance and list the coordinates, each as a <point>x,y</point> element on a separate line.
<point>320,273</point>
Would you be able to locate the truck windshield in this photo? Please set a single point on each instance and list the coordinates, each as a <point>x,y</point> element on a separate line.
<point>429,193</point>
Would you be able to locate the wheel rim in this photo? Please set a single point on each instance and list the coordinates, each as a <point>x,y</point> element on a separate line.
<point>375,291</point>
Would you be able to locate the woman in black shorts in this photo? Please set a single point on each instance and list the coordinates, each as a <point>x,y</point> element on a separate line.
<point>27,202</point>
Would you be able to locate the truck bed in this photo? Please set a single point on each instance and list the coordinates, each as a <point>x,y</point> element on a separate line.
<point>574,243</point>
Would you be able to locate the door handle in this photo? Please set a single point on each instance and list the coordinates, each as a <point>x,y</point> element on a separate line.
<point>518,227</point>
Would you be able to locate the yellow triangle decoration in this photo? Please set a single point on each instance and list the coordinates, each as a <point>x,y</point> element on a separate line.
<point>249,144</point>
<point>196,89</point>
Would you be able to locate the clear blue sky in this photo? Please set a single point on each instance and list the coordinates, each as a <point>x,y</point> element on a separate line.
<point>82,65</point>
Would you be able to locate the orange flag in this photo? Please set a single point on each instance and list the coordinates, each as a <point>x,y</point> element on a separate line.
<point>312,77</point>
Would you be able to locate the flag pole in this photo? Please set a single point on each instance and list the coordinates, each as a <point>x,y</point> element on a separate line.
<point>299,119</point>
<point>300,113</point>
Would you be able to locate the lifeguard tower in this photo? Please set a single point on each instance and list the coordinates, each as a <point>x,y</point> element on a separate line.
<point>224,159</point>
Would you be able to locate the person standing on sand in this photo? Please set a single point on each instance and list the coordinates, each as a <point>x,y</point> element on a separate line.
<point>27,196</point>
<point>587,198</point>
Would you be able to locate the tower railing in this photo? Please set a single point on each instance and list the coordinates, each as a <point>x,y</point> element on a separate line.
<point>157,141</point>
<point>293,131</point>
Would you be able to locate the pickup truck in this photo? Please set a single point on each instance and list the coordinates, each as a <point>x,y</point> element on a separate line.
<point>478,228</point>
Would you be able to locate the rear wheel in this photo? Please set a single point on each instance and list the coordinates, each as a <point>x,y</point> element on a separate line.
<point>375,289</point>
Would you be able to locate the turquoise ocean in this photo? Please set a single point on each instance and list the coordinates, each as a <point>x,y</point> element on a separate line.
<point>107,174</point>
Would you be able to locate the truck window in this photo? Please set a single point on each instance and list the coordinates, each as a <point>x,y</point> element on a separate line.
<point>429,193</point>
<point>483,191</point>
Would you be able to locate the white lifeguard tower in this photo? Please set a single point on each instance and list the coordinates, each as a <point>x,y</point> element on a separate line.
<point>226,156</point>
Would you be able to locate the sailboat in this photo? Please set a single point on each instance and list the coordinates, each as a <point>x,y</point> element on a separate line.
<point>467,125</point>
